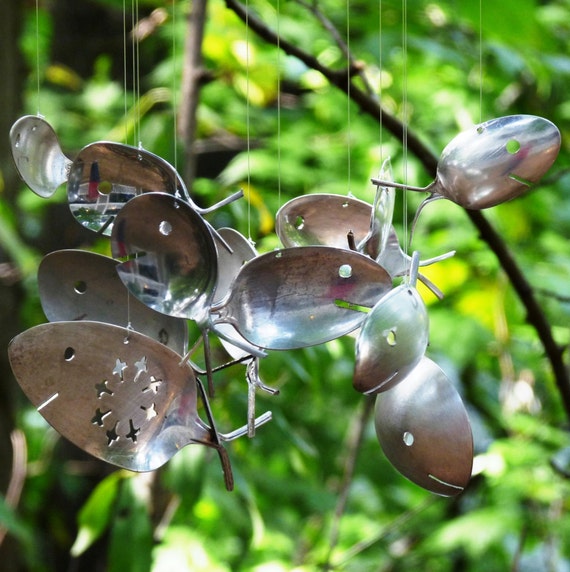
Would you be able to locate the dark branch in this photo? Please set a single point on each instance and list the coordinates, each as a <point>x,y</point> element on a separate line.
<point>371,106</point>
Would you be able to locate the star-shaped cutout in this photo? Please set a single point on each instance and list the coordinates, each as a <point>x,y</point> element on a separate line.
<point>112,435</point>
<point>141,367</point>
<point>99,417</point>
<point>153,385</point>
<point>120,366</point>
<point>102,388</point>
<point>134,431</point>
<point>150,411</point>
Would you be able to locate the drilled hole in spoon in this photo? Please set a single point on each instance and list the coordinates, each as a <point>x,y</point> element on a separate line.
<point>391,337</point>
<point>513,146</point>
<point>408,438</point>
<point>80,287</point>
<point>105,187</point>
<point>299,222</point>
<point>165,228</point>
<point>68,354</point>
<point>345,271</point>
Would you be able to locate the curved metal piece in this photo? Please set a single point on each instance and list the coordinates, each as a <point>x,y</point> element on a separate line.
<point>169,255</point>
<point>79,285</point>
<point>37,155</point>
<point>392,340</point>
<point>424,430</point>
<point>303,296</point>
<point>493,162</point>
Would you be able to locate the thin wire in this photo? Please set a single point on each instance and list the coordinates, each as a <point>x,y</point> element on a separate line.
<point>380,67</point>
<point>405,120</point>
<point>348,94</point>
<point>174,86</point>
<point>125,86</point>
<point>38,89</point>
<point>480,61</point>
<point>247,120</point>
<point>278,105</point>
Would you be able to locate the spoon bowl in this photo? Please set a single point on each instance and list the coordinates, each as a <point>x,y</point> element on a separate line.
<point>303,296</point>
<point>115,393</point>
<point>424,430</point>
<point>493,162</point>
<point>38,156</point>
<point>80,285</point>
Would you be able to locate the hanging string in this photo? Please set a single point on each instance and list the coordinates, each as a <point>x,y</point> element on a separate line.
<point>348,94</point>
<point>136,70</point>
<point>480,61</point>
<point>174,87</point>
<point>125,84</point>
<point>380,68</point>
<point>278,105</point>
<point>247,121</point>
<point>405,121</point>
<point>38,90</point>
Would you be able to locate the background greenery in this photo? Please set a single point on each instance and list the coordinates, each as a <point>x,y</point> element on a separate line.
<point>269,124</point>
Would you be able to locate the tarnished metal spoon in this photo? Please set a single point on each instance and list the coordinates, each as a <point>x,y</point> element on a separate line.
<point>393,338</point>
<point>106,175</point>
<point>81,285</point>
<point>493,162</point>
<point>115,393</point>
<point>38,156</point>
<point>424,431</point>
<point>303,296</point>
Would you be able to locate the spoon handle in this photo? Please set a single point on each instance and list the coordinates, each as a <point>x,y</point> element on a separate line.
<point>395,185</point>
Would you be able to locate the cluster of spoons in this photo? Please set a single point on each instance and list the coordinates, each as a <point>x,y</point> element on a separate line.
<point>112,369</point>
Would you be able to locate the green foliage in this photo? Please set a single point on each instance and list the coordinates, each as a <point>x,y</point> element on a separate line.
<point>294,133</point>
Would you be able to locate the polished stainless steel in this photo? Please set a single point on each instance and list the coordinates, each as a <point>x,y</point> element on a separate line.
<point>169,255</point>
<point>424,431</point>
<point>115,393</point>
<point>303,296</point>
<point>374,243</point>
<point>38,156</point>
<point>322,219</point>
<point>230,263</point>
<point>393,338</point>
<point>106,175</point>
<point>493,162</point>
<point>81,285</point>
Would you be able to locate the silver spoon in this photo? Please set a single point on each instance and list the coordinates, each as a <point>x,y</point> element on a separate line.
<point>322,219</point>
<point>303,296</point>
<point>81,285</point>
<point>393,338</point>
<point>424,430</point>
<point>117,394</point>
<point>38,156</point>
<point>105,175</point>
<point>335,220</point>
<point>374,243</point>
<point>493,162</point>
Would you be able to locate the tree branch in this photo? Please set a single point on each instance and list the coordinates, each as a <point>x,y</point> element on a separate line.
<point>369,105</point>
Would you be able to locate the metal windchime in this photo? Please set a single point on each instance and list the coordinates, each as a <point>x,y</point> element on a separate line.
<point>111,370</point>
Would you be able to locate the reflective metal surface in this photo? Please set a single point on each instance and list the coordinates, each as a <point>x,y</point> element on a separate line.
<point>105,175</point>
<point>374,243</point>
<point>392,340</point>
<point>494,162</point>
<point>81,285</point>
<point>115,393</point>
<point>303,296</point>
<point>38,156</point>
<point>423,429</point>
<point>322,219</point>
<point>171,258</point>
